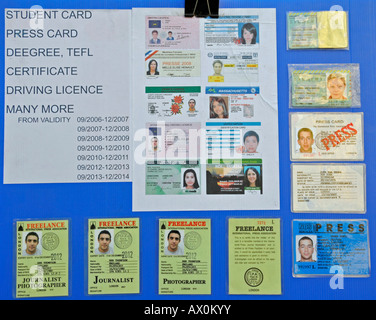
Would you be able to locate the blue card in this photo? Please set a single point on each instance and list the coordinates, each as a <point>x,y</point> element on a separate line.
<point>328,247</point>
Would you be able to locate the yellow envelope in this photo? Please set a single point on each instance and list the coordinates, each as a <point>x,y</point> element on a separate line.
<point>332,29</point>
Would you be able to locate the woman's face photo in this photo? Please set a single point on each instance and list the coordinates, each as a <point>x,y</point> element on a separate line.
<point>218,109</point>
<point>248,36</point>
<point>251,177</point>
<point>190,180</point>
<point>153,66</point>
<point>250,144</point>
<point>336,88</point>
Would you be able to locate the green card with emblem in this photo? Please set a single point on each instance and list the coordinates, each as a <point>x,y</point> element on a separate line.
<point>42,258</point>
<point>321,88</point>
<point>113,256</point>
<point>254,256</point>
<point>184,256</point>
<point>325,85</point>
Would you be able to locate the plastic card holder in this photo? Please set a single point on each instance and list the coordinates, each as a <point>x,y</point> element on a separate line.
<point>317,30</point>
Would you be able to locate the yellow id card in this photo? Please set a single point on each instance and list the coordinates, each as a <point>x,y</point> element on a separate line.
<point>332,29</point>
<point>254,256</point>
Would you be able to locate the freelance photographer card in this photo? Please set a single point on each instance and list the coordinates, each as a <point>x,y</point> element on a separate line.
<point>184,256</point>
<point>42,258</point>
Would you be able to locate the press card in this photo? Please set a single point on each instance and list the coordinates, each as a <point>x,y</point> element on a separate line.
<point>42,258</point>
<point>324,136</point>
<point>113,256</point>
<point>254,258</point>
<point>329,247</point>
<point>328,188</point>
<point>184,256</point>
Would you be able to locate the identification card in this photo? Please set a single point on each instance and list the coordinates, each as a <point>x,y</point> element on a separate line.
<point>328,247</point>
<point>174,102</point>
<point>113,256</point>
<point>328,188</point>
<point>254,256</point>
<point>232,66</point>
<point>42,258</point>
<point>177,64</point>
<point>184,256</point>
<point>171,32</point>
<point>326,136</point>
<point>321,88</point>
<point>323,30</point>
<point>332,29</point>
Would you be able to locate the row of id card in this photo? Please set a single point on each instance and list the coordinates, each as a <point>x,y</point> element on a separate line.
<point>43,255</point>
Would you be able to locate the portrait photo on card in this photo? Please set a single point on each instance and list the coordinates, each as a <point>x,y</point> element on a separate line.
<point>219,107</point>
<point>32,245</point>
<point>337,86</point>
<point>248,111</point>
<point>190,179</point>
<point>104,244</point>
<point>252,178</point>
<point>306,248</point>
<point>152,68</point>
<point>251,141</point>
<point>154,144</point>
<point>248,33</point>
<point>305,140</point>
<point>154,37</point>
<point>174,242</point>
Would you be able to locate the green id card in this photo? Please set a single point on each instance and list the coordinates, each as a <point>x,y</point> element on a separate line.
<point>254,256</point>
<point>113,256</point>
<point>184,256</point>
<point>302,30</point>
<point>321,88</point>
<point>42,258</point>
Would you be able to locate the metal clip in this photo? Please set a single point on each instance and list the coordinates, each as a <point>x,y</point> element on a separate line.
<point>201,9</point>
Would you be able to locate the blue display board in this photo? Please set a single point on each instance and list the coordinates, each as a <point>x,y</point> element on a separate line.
<point>81,201</point>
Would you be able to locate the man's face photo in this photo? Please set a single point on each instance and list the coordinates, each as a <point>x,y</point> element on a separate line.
<point>173,241</point>
<point>217,68</point>
<point>154,143</point>
<point>305,141</point>
<point>155,34</point>
<point>250,144</point>
<point>31,244</point>
<point>306,249</point>
<point>104,241</point>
